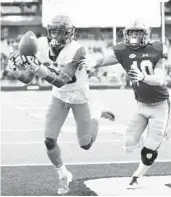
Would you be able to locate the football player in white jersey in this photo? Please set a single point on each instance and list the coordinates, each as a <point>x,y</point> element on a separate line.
<point>58,61</point>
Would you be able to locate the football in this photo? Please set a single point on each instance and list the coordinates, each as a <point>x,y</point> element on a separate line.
<point>28,44</point>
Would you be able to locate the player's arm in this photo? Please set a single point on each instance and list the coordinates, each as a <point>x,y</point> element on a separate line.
<point>158,78</point>
<point>106,61</point>
<point>58,78</point>
<point>55,78</point>
<point>18,69</point>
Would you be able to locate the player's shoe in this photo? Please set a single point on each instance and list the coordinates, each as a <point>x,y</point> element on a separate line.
<point>64,182</point>
<point>97,111</point>
<point>108,115</point>
<point>135,183</point>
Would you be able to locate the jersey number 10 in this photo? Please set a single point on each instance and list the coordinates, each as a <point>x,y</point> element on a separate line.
<point>146,67</point>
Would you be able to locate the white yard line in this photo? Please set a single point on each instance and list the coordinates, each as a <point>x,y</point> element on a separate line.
<point>83,163</point>
<point>72,129</point>
<point>23,107</point>
<point>60,141</point>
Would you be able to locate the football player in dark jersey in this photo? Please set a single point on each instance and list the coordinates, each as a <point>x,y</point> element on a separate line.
<point>143,62</point>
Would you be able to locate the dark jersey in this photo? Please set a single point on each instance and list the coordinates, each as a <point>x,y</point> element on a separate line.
<point>145,58</point>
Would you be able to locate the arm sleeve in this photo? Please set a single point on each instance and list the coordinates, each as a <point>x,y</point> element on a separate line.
<point>117,54</point>
<point>79,55</point>
<point>25,76</point>
<point>60,78</point>
<point>69,69</point>
<point>158,78</point>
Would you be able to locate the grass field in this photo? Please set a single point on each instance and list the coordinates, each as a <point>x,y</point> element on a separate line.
<point>103,170</point>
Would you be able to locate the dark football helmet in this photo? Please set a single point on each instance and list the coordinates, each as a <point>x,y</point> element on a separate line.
<point>136,35</point>
<point>60,31</point>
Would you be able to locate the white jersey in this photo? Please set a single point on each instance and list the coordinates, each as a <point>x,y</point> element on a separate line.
<point>75,92</point>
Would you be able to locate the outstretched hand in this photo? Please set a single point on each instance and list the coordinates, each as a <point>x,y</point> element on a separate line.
<point>31,62</point>
<point>15,61</point>
<point>85,63</point>
<point>98,63</point>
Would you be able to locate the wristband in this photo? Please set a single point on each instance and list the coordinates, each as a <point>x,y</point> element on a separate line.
<point>42,71</point>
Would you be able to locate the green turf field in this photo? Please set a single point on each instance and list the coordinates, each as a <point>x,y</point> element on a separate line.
<point>103,170</point>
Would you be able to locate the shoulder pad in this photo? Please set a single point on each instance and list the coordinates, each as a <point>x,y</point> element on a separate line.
<point>76,45</point>
<point>42,42</point>
<point>157,45</point>
<point>119,47</point>
<point>72,48</point>
<point>42,39</point>
<point>79,52</point>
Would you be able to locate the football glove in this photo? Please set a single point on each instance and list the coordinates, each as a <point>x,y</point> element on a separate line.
<point>85,63</point>
<point>15,61</point>
<point>31,62</point>
<point>98,63</point>
<point>136,75</point>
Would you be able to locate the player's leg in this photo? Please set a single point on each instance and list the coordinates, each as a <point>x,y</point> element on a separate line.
<point>132,136</point>
<point>55,117</point>
<point>156,130</point>
<point>87,117</point>
<point>157,125</point>
<point>134,130</point>
<point>87,122</point>
<point>87,127</point>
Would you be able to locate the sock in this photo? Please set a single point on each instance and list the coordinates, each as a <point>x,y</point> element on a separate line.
<point>55,156</point>
<point>61,171</point>
<point>96,108</point>
<point>141,170</point>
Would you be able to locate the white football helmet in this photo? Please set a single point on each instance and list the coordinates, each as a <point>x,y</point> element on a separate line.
<point>136,35</point>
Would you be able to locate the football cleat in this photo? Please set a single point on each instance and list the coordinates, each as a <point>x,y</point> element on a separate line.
<point>97,111</point>
<point>64,182</point>
<point>108,115</point>
<point>135,183</point>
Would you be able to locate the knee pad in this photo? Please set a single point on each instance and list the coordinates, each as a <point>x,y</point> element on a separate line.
<point>50,143</point>
<point>148,156</point>
<point>87,147</point>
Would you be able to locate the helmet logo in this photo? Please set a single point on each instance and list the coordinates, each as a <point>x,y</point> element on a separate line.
<point>131,56</point>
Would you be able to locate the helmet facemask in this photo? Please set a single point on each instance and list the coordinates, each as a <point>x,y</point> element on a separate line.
<point>59,37</point>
